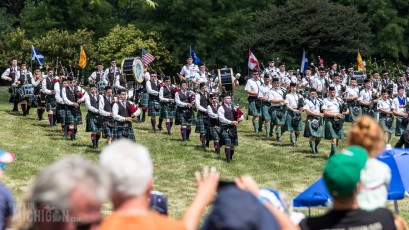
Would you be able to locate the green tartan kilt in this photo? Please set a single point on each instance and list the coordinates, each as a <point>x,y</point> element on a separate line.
<point>71,118</point>
<point>226,139</point>
<point>144,103</point>
<point>91,120</point>
<point>39,102</point>
<point>167,110</point>
<point>61,114</point>
<point>264,111</point>
<point>331,132</point>
<point>202,123</point>
<point>14,98</point>
<point>382,119</point>
<point>125,131</point>
<point>50,102</point>
<point>351,116</point>
<point>216,133</point>
<point>27,99</point>
<point>289,122</point>
<point>152,111</point>
<point>399,128</point>
<point>365,110</point>
<point>278,120</point>
<point>108,131</point>
<point>185,119</point>
<point>254,110</point>
<point>310,131</point>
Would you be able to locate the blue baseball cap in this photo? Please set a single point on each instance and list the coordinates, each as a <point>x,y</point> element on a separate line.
<point>158,202</point>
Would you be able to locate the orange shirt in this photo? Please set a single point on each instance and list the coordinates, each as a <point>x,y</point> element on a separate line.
<point>149,220</point>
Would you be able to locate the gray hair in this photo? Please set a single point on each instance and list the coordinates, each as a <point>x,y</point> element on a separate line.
<point>129,166</point>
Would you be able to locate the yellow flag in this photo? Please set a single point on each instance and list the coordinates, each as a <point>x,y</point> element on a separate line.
<point>83,59</point>
<point>359,62</point>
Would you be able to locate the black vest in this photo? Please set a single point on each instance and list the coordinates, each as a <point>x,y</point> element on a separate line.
<point>123,111</point>
<point>204,99</point>
<point>98,75</point>
<point>61,89</point>
<point>228,113</point>
<point>71,94</point>
<point>183,97</point>
<point>94,103</point>
<point>154,88</point>
<point>214,121</point>
<point>24,78</point>
<point>111,76</point>
<point>168,93</point>
<point>107,105</point>
<point>12,73</point>
<point>50,84</point>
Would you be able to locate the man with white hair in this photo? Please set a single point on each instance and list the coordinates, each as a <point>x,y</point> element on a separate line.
<point>66,195</point>
<point>131,172</point>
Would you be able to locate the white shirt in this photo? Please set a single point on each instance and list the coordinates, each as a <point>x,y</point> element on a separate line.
<point>352,92</point>
<point>150,90</point>
<point>101,105</point>
<point>264,90</point>
<point>198,106</point>
<point>312,105</point>
<point>270,71</point>
<point>201,77</point>
<point>118,117</point>
<point>318,84</point>
<point>161,98</point>
<point>57,91</point>
<point>93,76</point>
<point>400,108</point>
<point>281,75</point>
<point>44,85</point>
<point>116,72</point>
<point>177,98</point>
<point>252,85</point>
<point>189,71</point>
<point>88,102</point>
<point>337,89</point>
<point>291,99</point>
<point>306,80</point>
<point>289,79</point>
<point>365,96</point>
<point>222,119</point>
<point>276,94</point>
<point>210,111</point>
<point>331,105</point>
<point>385,105</point>
<point>65,98</point>
<point>6,73</point>
<point>28,75</point>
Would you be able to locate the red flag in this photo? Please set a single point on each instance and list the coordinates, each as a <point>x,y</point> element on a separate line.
<point>253,62</point>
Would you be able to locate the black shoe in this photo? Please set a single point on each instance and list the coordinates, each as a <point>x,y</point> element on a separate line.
<point>160,128</point>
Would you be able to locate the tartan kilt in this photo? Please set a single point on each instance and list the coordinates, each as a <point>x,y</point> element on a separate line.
<point>144,103</point>
<point>202,123</point>
<point>399,128</point>
<point>365,110</point>
<point>27,99</point>
<point>310,131</point>
<point>71,119</point>
<point>108,131</point>
<point>226,139</point>
<point>152,111</point>
<point>50,102</point>
<point>61,114</point>
<point>216,133</point>
<point>351,116</point>
<point>264,111</point>
<point>125,131</point>
<point>331,132</point>
<point>254,110</point>
<point>276,120</point>
<point>91,121</point>
<point>289,123</point>
<point>39,102</point>
<point>182,119</point>
<point>167,110</point>
<point>382,119</point>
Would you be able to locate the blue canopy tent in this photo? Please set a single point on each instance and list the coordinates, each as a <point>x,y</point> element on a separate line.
<point>397,159</point>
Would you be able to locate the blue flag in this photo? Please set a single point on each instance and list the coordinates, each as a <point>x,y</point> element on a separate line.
<point>35,55</point>
<point>304,62</point>
<point>193,55</point>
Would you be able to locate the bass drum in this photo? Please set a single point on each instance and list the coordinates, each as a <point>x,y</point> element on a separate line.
<point>226,80</point>
<point>132,69</point>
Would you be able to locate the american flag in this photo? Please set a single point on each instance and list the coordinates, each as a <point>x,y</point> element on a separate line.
<point>147,58</point>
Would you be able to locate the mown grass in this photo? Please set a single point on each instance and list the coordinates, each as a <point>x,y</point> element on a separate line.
<point>272,164</point>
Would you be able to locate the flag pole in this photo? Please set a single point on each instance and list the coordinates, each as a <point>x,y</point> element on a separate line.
<point>31,60</point>
<point>248,69</point>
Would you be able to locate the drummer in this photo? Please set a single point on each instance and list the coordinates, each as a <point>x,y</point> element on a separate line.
<point>98,76</point>
<point>26,81</point>
<point>10,76</point>
<point>113,75</point>
<point>212,85</point>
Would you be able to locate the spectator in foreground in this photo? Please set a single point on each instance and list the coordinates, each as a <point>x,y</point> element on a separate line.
<point>131,172</point>
<point>342,174</point>
<point>6,196</point>
<point>67,194</point>
<point>376,175</point>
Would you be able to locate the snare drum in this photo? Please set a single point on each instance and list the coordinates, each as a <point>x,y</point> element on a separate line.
<point>101,86</point>
<point>226,80</point>
<point>132,69</point>
<point>15,89</point>
<point>27,90</point>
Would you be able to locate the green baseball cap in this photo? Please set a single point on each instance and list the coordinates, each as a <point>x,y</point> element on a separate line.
<point>343,170</point>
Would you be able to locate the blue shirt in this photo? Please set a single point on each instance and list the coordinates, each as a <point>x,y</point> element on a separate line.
<point>7,205</point>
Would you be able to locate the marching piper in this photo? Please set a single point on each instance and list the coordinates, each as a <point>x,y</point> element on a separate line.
<point>212,86</point>
<point>336,83</point>
<point>320,83</point>
<point>167,103</point>
<point>386,83</point>
<point>153,87</point>
<point>202,122</point>
<point>294,102</point>
<point>263,95</point>
<point>48,89</point>
<point>313,125</point>
<point>25,78</point>
<point>123,111</point>
<point>105,105</point>
<point>271,70</point>
<point>368,98</point>
<point>60,108</point>
<point>400,83</point>
<point>352,95</point>
<point>10,76</point>
<point>376,81</point>
<point>215,128</point>
<point>334,111</point>
<point>399,105</point>
<point>185,115</point>
<point>73,96</point>
<point>384,106</point>
<point>281,74</point>
<point>278,111</point>
<point>92,119</point>
<point>307,80</point>
<point>290,78</point>
<point>252,90</point>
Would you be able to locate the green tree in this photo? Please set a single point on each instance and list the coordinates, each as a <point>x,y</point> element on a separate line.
<point>14,44</point>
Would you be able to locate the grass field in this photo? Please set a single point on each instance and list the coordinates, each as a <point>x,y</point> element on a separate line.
<point>272,164</point>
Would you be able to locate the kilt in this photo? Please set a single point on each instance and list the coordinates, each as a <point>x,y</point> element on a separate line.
<point>366,109</point>
<point>351,116</point>
<point>186,118</point>
<point>382,119</point>
<point>61,114</point>
<point>202,122</point>
<point>310,131</point>
<point>125,131</point>
<point>144,103</point>
<point>276,120</point>
<point>27,99</point>
<point>50,102</point>
<point>289,122</point>
<point>254,110</point>
<point>40,103</point>
<point>91,121</point>
<point>167,110</point>
<point>399,127</point>
<point>225,137</point>
<point>71,118</point>
<point>152,111</point>
<point>331,132</point>
<point>264,111</point>
<point>107,130</point>
<point>216,133</point>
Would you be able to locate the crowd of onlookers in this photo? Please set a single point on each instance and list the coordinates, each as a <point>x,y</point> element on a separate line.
<point>69,194</point>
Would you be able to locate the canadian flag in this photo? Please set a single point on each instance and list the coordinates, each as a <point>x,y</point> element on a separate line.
<point>253,62</point>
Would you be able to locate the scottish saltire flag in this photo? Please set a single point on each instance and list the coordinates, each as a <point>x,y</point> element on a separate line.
<point>193,55</point>
<point>147,58</point>
<point>304,62</point>
<point>35,55</point>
